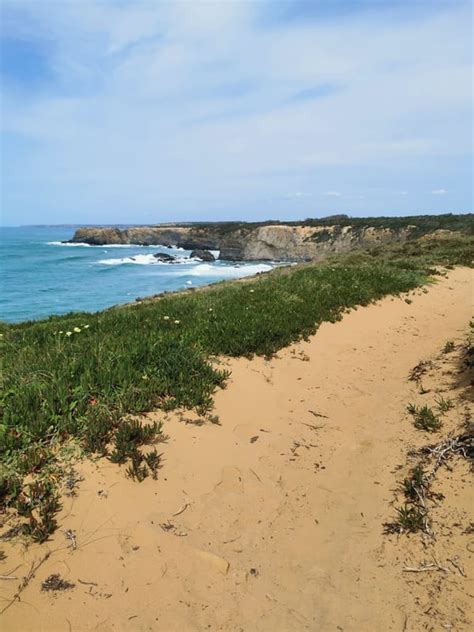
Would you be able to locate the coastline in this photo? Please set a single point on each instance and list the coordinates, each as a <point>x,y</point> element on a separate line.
<point>92,278</point>
<point>282,528</point>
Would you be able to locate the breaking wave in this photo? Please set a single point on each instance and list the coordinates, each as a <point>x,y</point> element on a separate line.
<point>84,245</point>
<point>144,260</point>
<point>194,268</point>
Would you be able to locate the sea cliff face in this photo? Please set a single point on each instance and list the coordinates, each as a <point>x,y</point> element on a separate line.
<point>183,236</point>
<point>274,242</point>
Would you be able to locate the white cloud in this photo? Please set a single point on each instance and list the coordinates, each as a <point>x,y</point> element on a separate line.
<point>439,192</point>
<point>155,98</point>
<point>296,194</point>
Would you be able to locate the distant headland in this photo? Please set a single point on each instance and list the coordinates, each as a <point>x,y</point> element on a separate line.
<point>307,240</point>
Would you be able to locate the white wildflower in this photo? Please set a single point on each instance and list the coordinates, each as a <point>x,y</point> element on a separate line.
<point>166,317</point>
<point>176,322</point>
<point>77,330</point>
<point>68,333</point>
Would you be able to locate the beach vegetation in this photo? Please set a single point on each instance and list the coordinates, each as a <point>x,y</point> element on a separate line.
<point>419,224</point>
<point>449,346</point>
<point>424,418</point>
<point>444,404</point>
<point>415,485</point>
<point>130,435</point>
<point>411,519</point>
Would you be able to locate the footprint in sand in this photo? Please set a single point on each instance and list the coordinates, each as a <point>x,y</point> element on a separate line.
<point>231,480</point>
<point>245,432</point>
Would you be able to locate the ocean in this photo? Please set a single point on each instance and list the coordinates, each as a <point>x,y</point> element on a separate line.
<point>40,276</point>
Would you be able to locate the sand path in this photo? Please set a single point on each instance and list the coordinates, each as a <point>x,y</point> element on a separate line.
<point>283,502</point>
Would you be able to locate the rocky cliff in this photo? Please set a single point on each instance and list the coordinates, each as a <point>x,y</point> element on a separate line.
<point>183,236</point>
<point>275,242</point>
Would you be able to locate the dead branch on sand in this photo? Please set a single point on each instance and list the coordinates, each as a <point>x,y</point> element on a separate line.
<point>26,580</point>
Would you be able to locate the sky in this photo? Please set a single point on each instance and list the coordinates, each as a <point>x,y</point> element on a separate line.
<point>123,111</point>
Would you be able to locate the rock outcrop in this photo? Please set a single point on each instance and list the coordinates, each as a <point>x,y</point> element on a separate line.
<point>204,255</point>
<point>187,237</point>
<point>240,242</point>
<point>304,243</point>
<point>164,257</point>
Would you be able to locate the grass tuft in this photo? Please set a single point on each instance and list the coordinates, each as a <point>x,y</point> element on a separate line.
<point>424,418</point>
<point>415,486</point>
<point>411,518</point>
<point>449,346</point>
<point>444,405</point>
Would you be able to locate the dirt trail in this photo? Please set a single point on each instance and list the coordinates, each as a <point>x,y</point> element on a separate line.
<point>272,521</point>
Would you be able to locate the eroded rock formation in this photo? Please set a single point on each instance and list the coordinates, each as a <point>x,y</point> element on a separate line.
<point>271,242</point>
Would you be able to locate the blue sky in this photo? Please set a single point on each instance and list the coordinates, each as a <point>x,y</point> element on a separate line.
<point>130,111</point>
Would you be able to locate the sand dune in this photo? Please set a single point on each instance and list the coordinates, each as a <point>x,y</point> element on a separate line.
<point>273,520</point>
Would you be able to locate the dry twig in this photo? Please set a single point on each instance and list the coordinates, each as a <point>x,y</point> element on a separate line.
<point>26,580</point>
<point>434,566</point>
<point>180,511</point>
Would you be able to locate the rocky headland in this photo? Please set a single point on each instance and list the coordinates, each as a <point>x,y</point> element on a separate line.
<point>307,240</point>
<point>274,242</point>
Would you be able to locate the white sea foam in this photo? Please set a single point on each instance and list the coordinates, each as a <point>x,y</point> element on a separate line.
<point>195,267</point>
<point>60,243</point>
<point>83,245</point>
<point>235,271</point>
<point>144,260</point>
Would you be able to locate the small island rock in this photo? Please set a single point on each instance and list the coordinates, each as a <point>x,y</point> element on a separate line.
<point>163,256</point>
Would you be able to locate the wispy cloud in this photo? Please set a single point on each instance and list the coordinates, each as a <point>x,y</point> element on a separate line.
<point>296,194</point>
<point>439,192</point>
<point>316,92</point>
<point>115,110</point>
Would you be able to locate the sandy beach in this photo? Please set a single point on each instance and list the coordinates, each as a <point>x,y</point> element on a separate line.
<point>273,520</point>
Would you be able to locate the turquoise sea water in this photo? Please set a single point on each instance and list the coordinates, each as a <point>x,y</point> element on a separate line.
<point>39,276</point>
